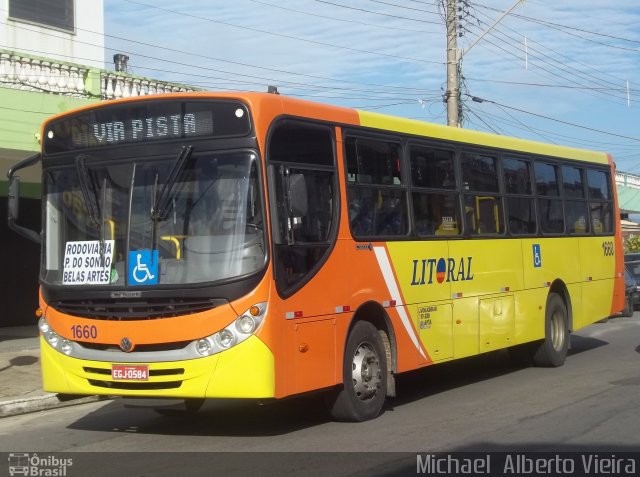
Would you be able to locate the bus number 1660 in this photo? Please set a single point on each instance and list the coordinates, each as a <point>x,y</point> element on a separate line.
<point>84,332</point>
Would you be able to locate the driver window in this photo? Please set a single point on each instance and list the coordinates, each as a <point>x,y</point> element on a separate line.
<point>303,180</point>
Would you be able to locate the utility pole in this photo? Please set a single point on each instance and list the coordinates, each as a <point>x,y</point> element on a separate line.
<point>452,96</point>
<point>453,83</point>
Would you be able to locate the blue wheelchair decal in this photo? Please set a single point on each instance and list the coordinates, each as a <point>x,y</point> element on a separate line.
<point>143,267</point>
<point>537,256</point>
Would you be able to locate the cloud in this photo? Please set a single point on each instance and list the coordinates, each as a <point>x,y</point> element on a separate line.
<point>377,53</point>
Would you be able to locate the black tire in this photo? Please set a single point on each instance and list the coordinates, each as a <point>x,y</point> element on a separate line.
<point>552,351</point>
<point>364,388</point>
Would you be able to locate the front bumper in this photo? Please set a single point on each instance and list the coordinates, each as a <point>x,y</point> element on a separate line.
<point>244,371</point>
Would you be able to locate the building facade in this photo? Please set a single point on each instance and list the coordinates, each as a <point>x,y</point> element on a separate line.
<point>52,59</point>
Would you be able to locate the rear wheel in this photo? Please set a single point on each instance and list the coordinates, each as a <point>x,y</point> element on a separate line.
<point>552,351</point>
<point>364,388</point>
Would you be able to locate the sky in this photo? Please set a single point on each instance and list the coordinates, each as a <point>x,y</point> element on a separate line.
<point>563,72</point>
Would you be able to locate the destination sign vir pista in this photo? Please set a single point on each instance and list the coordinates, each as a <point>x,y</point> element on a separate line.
<point>176,125</point>
<point>148,121</point>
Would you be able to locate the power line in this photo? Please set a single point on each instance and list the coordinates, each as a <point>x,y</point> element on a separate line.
<point>282,35</point>
<point>541,85</point>
<point>548,60</point>
<point>556,74</point>
<point>560,27</point>
<point>377,13</point>
<point>404,7</point>
<point>517,42</point>
<point>482,100</point>
<point>270,80</point>
<point>385,27</point>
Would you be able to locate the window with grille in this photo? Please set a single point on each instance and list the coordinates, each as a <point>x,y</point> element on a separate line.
<point>52,13</point>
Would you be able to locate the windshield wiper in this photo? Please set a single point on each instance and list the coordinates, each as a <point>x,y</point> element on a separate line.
<point>87,187</point>
<point>163,200</point>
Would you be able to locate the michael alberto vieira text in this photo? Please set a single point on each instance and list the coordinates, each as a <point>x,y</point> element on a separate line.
<point>527,464</point>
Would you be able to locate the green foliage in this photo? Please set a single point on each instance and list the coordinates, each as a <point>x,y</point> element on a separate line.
<point>632,244</point>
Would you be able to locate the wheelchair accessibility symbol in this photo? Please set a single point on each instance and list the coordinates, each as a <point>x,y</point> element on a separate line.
<point>143,267</point>
<point>537,256</point>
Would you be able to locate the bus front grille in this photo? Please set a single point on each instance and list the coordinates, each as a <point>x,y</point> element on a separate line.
<point>113,309</point>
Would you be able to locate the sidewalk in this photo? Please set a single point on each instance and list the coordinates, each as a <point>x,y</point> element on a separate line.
<point>20,381</point>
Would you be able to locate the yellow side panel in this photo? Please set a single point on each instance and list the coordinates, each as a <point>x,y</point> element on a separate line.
<point>466,327</point>
<point>598,272</point>
<point>576,291</point>
<point>494,266</point>
<point>596,300</point>
<point>497,323</point>
<point>434,324</point>
<point>529,314</point>
<point>416,267</point>
<point>557,258</point>
<point>420,128</point>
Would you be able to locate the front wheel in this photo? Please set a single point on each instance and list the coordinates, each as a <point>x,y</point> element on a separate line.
<point>364,376</point>
<point>552,351</point>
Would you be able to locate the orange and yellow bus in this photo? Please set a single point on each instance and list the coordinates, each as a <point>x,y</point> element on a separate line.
<point>248,245</point>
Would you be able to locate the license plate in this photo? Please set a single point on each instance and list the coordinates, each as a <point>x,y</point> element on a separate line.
<point>129,373</point>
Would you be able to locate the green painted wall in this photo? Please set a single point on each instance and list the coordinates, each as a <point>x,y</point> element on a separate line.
<point>21,114</point>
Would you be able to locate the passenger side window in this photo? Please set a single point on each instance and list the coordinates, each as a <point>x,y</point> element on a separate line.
<point>575,205</point>
<point>520,205</point>
<point>376,192</point>
<point>483,208</point>
<point>600,201</point>
<point>435,210</point>
<point>549,202</point>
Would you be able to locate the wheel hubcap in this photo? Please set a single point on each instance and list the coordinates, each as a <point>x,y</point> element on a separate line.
<point>558,332</point>
<point>366,372</point>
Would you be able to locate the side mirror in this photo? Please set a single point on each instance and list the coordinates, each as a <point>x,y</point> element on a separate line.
<point>13,199</point>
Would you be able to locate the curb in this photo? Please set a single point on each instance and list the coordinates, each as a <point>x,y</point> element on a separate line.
<point>41,403</point>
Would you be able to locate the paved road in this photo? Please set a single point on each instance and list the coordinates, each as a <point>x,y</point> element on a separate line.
<point>479,404</point>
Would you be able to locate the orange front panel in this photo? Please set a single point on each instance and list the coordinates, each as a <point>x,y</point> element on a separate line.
<point>311,354</point>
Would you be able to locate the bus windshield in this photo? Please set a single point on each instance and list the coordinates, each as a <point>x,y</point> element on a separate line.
<point>101,227</point>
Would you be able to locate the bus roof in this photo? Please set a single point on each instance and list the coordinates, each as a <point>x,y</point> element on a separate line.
<point>279,104</point>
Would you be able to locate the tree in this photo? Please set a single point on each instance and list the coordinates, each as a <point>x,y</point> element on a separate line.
<point>632,244</point>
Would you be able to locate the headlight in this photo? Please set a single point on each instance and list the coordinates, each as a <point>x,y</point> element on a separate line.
<point>238,331</point>
<point>43,326</point>
<point>225,338</point>
<point>246,324</point>
<point>53,338</point>
<point>204,346</point>
<point>66,347</point>
<point>56,341</point>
